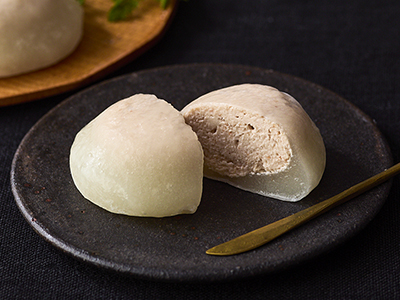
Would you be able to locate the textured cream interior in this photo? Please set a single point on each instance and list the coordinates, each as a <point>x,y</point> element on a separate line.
<point>228,135</point>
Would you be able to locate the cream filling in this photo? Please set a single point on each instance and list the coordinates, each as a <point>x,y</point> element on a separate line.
<point>237,142</point>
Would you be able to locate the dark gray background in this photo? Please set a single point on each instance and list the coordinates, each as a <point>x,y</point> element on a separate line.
<point>349,47</point>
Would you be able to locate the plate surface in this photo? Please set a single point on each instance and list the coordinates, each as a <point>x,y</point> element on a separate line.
<point>104,47</point>
<point>174,248</point>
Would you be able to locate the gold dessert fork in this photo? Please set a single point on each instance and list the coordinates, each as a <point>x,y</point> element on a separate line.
<point>263,235</point>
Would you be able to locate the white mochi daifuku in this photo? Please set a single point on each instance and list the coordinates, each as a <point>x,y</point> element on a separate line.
<point>139,158</point>
<point>258,139</point>
<point>35,34</point>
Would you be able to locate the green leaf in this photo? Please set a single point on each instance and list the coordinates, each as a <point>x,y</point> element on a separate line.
<point>163,4</point>
<point>121,9</point>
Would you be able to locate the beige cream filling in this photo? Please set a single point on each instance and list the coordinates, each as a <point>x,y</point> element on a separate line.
<point>237,142</point>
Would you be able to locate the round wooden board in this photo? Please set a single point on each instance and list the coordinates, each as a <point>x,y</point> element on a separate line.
<point>105,47</point>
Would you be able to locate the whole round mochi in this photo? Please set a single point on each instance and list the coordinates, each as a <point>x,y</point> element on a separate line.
<point>139,158</point>
<point>259,139</point>
<point>35,34</point>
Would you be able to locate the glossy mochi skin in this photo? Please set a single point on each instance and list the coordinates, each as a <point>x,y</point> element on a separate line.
<point>258,139</point>
<point>35,34</point>
<point>139,158</point>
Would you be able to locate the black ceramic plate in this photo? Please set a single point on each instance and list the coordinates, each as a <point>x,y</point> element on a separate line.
<point>174,248</point>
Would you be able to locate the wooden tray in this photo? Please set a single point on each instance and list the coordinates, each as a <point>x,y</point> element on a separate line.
<point>104,48</point>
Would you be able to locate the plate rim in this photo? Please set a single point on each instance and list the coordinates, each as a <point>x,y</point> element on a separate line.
<point>138,272</point>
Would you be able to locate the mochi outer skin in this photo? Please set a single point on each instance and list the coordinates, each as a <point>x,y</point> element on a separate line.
<point>35,34</point>
<point>139,158</point>
<point>259,139</point>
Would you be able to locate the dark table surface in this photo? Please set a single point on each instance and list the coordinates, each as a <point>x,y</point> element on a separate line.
<point>349,47</point>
